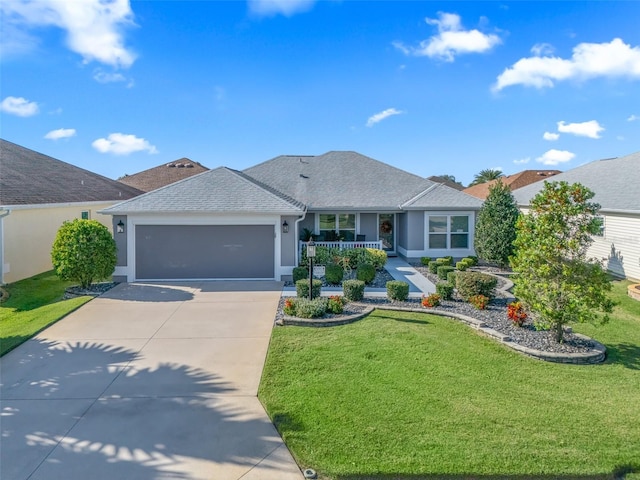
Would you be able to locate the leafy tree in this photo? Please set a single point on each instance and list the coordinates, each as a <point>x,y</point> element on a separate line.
<point>486,175</point>
<point>556,280</point>
<point>83,251</point>
<point>496,225</point>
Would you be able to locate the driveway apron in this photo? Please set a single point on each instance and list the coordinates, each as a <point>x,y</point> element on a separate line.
<point>147,382</point>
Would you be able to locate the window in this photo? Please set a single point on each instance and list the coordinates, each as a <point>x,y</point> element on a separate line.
<point>84,215</point>
<point>337,226</point>
<point>448,231</point>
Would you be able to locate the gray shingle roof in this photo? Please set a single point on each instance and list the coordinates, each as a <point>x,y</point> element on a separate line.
<point>616,183</point>
<point>441,196</point>
<point>350,181</point>
<point>218,190</point>
<point>30,178</point>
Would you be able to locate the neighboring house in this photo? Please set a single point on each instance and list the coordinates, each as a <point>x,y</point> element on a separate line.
<point>229,224</point>
<point>37,194</point>
<point>616,184</point>
<point>515,181</point>
<point>162,175</point>
<point>447,182</point>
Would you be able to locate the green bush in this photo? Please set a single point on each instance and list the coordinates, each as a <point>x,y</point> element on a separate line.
<point>445,290</point>
<point>353,290</point>
<point>335,304</point>
<point>473,258</point>
<point>433,267</point>
<point>324,256</point>
<point>470,284</point>
<point>425,260</point>
<point>445,261</point>
<point>83,251</point>
<point>302,288</point>
<point>334,274</point>
<point>462,266</point>
<point>306,308</point>
<point>443,271</point>
<point>469,262</point>
<point>300,273</point>
<point>366,272</point>
<point>451,277</point>
<point>397,290</point>
<point>377,258</point>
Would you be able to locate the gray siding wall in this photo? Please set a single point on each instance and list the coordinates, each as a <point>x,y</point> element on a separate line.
<point>369,226</point>
<point>308,222</point>
<point>619,248</point>
<point>121,241</point>
<point>415,230</point>
<point>288,242</point>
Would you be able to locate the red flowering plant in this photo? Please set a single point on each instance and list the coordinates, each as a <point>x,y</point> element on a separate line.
<point>430,301</point>
<point>335,304</point>
<point>516,313</point>
<point>479,301</point>
<point>289,307</point>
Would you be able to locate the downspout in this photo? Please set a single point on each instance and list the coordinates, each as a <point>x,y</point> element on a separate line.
<point>304,215</point>
<point>2,215</point>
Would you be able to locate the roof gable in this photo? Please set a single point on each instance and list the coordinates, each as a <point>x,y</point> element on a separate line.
<point>164,174</point>
<point>221,190</point>
<point>439,196</point>
<point>341,180</point>
<point>614,181</point>
<point>30,178</point>
<point>517,180</point>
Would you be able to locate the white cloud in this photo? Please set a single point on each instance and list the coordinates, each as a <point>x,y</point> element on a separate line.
<point>633,118</point>
<point>121,144</point>
<point>522,161</point>
<point>104,77</point>
<point>550,136</point>
<point>589,60</point>
<point>94,27</point>
<point>378,117</point>
<point>287,8</point>
<point>19,106</point>
<point>60,133</point>
<point>555,157</point>
<point>589,129</point>
<point>540,49</point>
<point>451,40</point>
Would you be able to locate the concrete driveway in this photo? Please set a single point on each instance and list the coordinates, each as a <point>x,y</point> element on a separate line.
<point>147,382</point>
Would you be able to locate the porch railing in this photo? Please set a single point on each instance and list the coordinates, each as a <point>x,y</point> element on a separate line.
<point>341,245</point>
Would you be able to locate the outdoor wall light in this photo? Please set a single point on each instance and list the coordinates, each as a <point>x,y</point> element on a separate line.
<point>285,227</point>
<point>120,227</point>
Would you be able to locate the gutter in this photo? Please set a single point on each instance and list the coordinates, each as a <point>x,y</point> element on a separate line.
<point>296,230</point>
<point>3,213</point>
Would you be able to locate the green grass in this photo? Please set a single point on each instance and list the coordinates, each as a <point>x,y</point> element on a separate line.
<point>411,394</point>
<point>33,304</point>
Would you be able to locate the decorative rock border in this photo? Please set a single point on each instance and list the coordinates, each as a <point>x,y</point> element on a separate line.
<point>326,322</point>
<point>634,291</point>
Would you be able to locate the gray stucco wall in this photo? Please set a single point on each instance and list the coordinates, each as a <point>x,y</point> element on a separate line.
<point>308,222</point>
<point>369,226</point>
<point>401,230</point>
<point>121,240</point>
<point>288,242</point>
<point>415,230</point>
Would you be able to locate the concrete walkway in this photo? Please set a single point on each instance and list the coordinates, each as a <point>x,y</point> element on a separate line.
<point>147,382</point>
<point>399,270</point>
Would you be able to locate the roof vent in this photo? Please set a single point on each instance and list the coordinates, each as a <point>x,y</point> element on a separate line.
<point>189,165</point>
<point>180,165</point>
<point>303,176</point>
<point>170,165</point>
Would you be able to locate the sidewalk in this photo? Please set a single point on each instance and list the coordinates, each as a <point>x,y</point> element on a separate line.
<point>398,269</point>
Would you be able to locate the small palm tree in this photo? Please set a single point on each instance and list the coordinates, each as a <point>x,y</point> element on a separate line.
<point>486,175</point>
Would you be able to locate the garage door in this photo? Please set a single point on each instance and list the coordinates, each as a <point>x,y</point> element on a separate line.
<point>204,251</point>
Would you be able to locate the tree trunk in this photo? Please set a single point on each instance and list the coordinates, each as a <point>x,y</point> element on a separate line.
<point>559,332</point>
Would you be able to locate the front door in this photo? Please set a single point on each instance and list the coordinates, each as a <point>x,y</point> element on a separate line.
<point>386,231</point>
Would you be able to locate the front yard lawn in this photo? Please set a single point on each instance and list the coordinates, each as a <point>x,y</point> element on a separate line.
<point>34,304</point>
<point>416,394</point>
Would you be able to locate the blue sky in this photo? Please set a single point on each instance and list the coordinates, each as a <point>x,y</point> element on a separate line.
<point>117,87</point>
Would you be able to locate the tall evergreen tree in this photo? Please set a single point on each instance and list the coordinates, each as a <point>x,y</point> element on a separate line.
<point>496,225</point>
<point>555,278</point>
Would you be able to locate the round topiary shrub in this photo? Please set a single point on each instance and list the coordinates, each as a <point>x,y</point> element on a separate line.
<point>300,273</point>
<point>334,274</point>
<point>444,270</point>
<point>366,272</point>
<point>83,251</point>
<point>302,288</point>
<point>397,290</point>
<point>470,284</point>
<point>433,266</point>
<point>353,290</point>
<point>425,260</point>
<point>377,258</point>
<point>462,266</point>
<point>445,290</point>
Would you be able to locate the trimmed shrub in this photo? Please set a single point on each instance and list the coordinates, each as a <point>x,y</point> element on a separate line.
<point>445,261</point>
<point>335,304</point>
<point>473,258</point>
<point>425,260</point>
<point>432,300</point>
<point>366,272</point>
<point>334,274</point>
<point>451,278</point>
<point>397,290</point>
<point>302,288</point>
<point>306,308</point>
<point>475,283</point>
<point>83,251</point>
<point>469,262</point>
<point>324,256</point>
<point>444,270</point>
<point>353,290</point>
<point>377,258</point>
<point>300,273</point>
<point>433,266</point>
<point>445,290</point>
<point>462,266</point>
